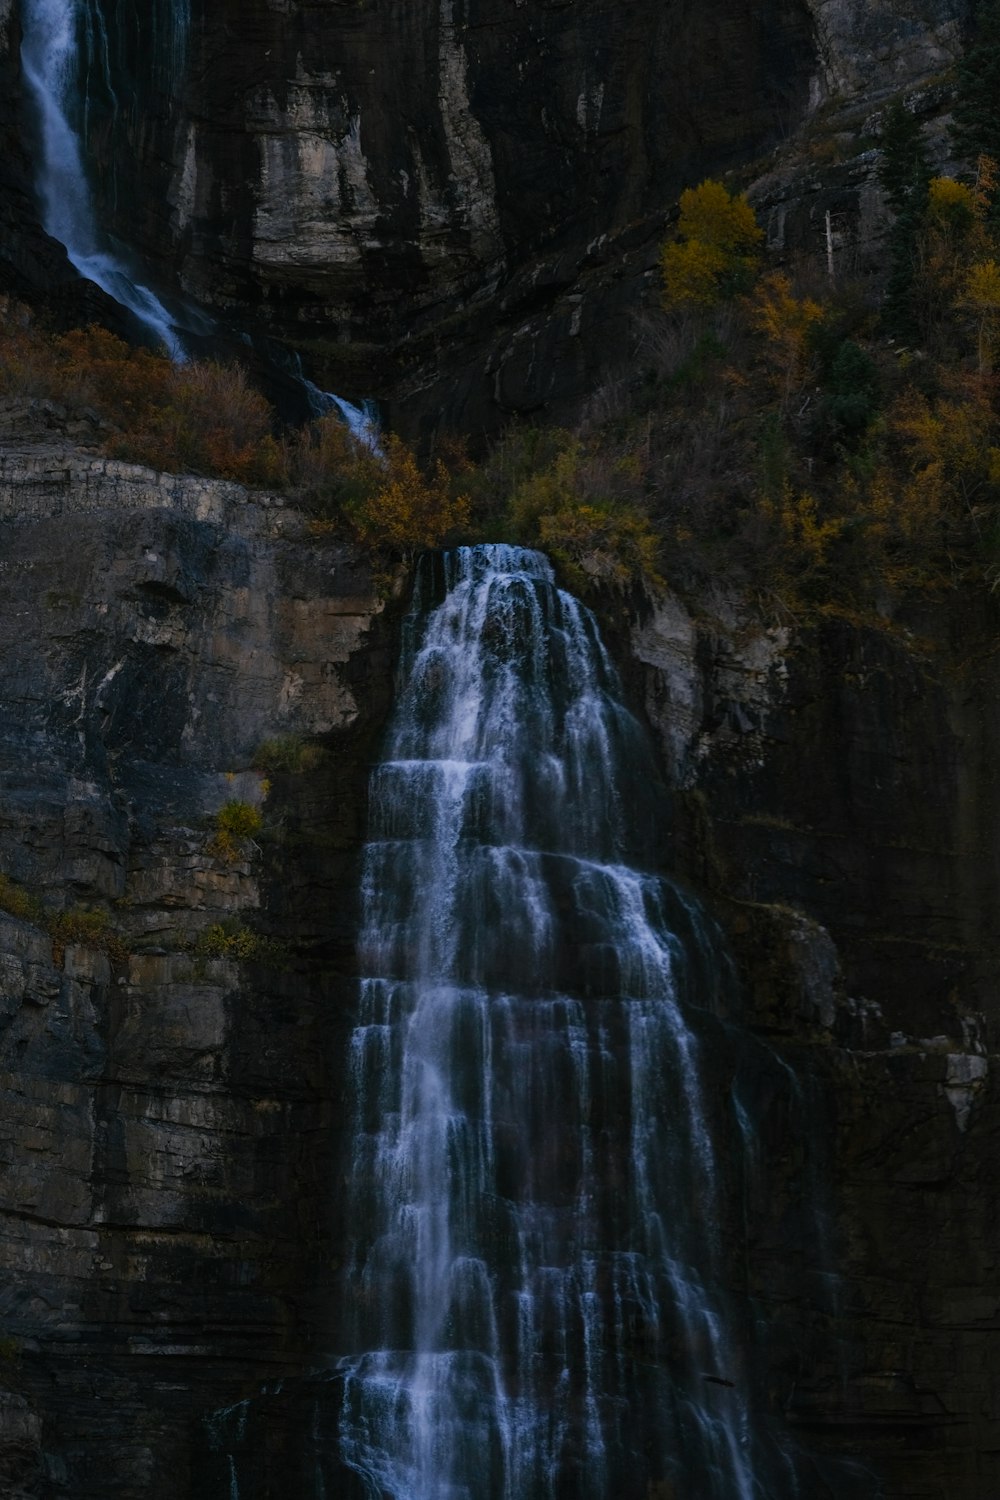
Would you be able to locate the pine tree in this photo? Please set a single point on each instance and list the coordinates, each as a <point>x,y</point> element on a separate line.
<point>904,170</point>
<point>905,173</point>
<point>976,114</point>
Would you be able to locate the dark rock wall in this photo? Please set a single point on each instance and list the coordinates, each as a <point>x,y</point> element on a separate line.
<point>382,180</point>
<point>167,1119</point>
<point>837,792</point>
<point>168,1226</point>
<point>453,205</point>
<point>377,181</point>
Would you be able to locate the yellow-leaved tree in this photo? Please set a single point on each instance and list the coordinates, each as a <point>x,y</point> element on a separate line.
<point>714,254</point>
<point>981,295</point>
<point>785,321</point>
<point>406,510</point>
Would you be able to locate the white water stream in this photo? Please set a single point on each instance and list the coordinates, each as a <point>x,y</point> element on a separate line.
<point>532,1291</point>
<point>64,45</point>
<point>50,57</point>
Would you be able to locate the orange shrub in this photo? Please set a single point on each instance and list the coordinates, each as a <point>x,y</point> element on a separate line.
<point>332,468</point>
<point>407,511</point>
<point>98,369</point>
<point>209,420</point>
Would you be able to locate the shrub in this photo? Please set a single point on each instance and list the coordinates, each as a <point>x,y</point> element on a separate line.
<point>606,544</point>
<point>330,467</point>
<point>19,902</point>
<point>235,824</point>
<point>208,419</point>
<point>87,927</point>
<point>99,370</point>
<point>584,509</point>
<point>406,510</point>
<point>230,939</point>
<point>289,753</point>
<point>951,206</point>
<point>200,416</point>
<point>786,322</point>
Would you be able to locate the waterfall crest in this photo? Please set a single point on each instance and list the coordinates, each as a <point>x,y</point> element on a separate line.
<point>532,1297</point>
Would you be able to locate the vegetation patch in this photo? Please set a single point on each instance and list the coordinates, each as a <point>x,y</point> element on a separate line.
<point>230,939</point>
<point>76,926</point>
<point>289,754</point>
<point>236,825</point>
<point>823,442</point>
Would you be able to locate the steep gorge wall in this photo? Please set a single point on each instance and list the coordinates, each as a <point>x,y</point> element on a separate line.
<point>835,791</point>
<point>169,1222</point>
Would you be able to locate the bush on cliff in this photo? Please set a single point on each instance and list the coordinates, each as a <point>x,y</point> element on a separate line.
<point>74,926</point>
<point>200,417</point>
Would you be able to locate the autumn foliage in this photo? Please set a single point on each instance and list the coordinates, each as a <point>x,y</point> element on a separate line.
<point>205,418</point>
<point>200,417</point>
<point>715,250</point>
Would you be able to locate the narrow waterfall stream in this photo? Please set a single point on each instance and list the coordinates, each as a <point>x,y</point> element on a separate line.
<point>533,1286</point>
<point>67,53</point>
<point>57,70</point>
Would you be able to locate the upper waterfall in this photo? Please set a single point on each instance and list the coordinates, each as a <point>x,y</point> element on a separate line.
<point>66,54</point>
<point>51,59</point>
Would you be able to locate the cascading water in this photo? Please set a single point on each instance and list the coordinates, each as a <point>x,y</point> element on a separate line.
<point>51,60</point>
<point>67,54</point>
<point>533,1290</point>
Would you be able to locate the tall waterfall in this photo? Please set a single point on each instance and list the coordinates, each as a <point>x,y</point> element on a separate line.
<point>57,71</point>
<point>532,1292</point>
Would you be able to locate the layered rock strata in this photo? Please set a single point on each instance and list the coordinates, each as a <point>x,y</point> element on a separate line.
<point>168,1112</point>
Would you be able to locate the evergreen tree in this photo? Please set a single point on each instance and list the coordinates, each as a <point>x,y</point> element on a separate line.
<point>904,170</point>
<point>976,115</point>
<point>905,173</point>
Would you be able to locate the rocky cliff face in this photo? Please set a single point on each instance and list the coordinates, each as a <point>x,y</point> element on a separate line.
<point>837,792</point>
<point>169,1218</point>
<point>167,1111</point>
<point>455,206</point>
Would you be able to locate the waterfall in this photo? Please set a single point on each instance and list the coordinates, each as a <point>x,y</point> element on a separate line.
<point>67,56</point>
<point>533,1304</point>
<point>51,60</point>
